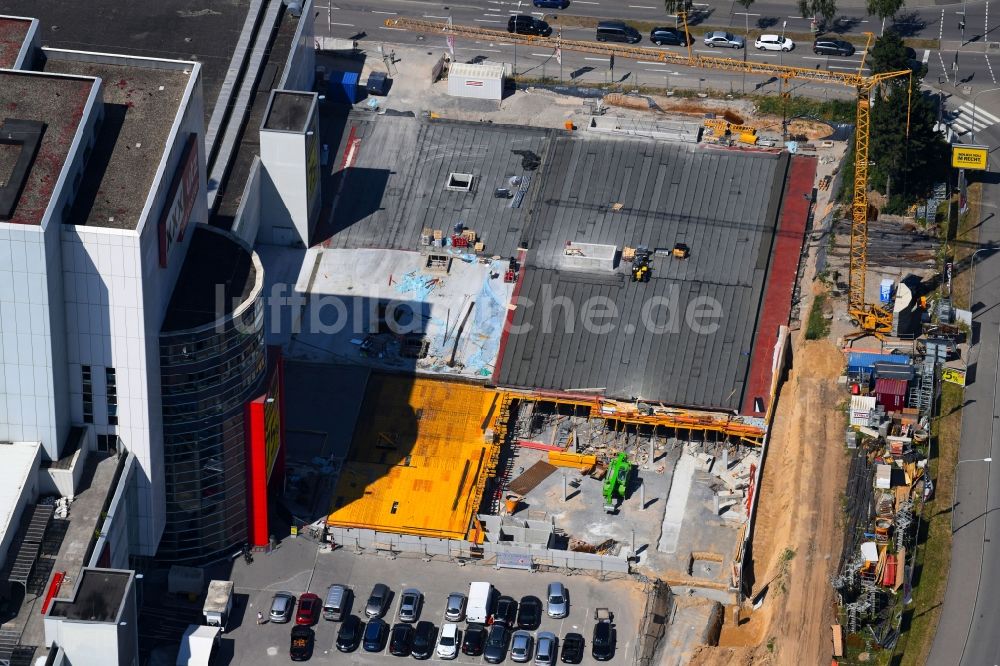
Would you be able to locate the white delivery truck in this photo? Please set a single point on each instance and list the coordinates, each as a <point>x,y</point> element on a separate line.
<point>480,602</point>
<point>218,603</point>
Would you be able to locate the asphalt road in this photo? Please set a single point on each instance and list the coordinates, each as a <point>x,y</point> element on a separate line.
<point>967,631</point>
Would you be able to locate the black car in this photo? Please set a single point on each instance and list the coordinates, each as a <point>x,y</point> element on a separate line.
<point>423,640</point>
<point>475,636</point>
<point>603,646</point>
<point>350,634</point>
<point>670,36</point>
<point>375,633</point>
<point>551,4</point>
<point>303,639</point>
<point>506,611</point>
<point>837,47</point>
<point>495,649</point>
<point>529,614</point>
<point>401,639</point>
<point>523,24</point>
<point>572,649</point>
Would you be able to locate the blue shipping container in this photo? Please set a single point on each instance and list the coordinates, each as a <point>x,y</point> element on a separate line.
<point>343,87</point>
<point>865,361</point>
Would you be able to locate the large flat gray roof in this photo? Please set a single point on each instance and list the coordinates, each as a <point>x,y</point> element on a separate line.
<point>722,204</point>
<point>397,186</point>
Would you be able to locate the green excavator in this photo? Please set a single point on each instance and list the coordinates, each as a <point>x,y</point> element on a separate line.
<point>616,482</point>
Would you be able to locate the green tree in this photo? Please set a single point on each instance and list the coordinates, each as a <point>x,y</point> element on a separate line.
<point>676,6</point>
<point>813,8</point>
<point>906,166</point>
<point>884,8</point>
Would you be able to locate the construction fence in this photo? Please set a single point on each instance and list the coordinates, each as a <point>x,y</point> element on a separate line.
<point>659,603</point>
<point>491,554</point>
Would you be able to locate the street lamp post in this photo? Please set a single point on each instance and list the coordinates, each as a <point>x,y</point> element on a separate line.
<point>974,98</point>
<point>954,492</point>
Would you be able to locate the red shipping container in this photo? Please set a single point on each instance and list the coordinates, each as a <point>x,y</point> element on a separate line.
<point>891,393</point>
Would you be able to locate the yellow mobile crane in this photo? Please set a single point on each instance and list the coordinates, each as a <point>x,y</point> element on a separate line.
<point>870,318</point>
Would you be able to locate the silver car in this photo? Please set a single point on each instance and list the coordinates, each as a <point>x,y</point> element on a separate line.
<point>454,610</point>
<point>409,605</point>
<point>545,652</point>
<point>378,601</point>
<point>556,601</point>
<point>725,39</point>
<point>521,646</point>
<point>281,607</point>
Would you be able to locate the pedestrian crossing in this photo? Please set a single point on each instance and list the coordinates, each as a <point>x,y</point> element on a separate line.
<point>963,121</point>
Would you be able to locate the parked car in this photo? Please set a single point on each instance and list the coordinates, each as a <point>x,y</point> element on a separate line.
<point>529,613</point>
<point>602,647</point>
<point>837,47</point>
<point>454,610</point>
<point>309,607</point>
<point>350,633</point>
<point>448,642</point>
<point>521,646</point>
<point>774,43</point>
<point>725,39</point>
<point>473,640</point>
<point>282,606</point>
<point>423,640</point>
<point>377,601</point>
<point>303,639</point>
<point>668,36</point>
<point>551,4</point>
<point>338,602</point>
<point>616,31</point>
<point>495,649</point>
<point>409,605</point>
<point>522,24</point>
<point>506,611</point>
<point>401,640</point>
<point>572,649</point>
<point>546,649</point>
<point>375,634</point>
<point>557,601</point>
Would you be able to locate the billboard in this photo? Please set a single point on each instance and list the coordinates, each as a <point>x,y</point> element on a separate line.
<point>180,199</point>
<point>969,157</point>
<point>953,375</point>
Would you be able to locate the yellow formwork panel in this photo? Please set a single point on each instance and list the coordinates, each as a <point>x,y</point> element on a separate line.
<point>416,457</point>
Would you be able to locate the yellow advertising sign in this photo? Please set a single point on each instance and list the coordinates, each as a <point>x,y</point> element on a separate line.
<point>953,375</point>
<point>969,157</point>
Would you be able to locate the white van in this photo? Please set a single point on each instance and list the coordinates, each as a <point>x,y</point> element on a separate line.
<point>480,604</point>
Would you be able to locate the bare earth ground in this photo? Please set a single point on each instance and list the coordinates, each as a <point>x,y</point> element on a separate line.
<point>804,477</point>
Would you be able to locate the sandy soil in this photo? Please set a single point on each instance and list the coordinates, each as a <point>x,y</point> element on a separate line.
<point>800,498</point>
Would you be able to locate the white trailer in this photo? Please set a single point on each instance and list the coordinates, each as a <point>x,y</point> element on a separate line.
<point>480,602</point>
<point>484,81</point>
<point>218,603</point>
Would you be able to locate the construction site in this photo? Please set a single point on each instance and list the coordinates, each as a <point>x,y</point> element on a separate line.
<point>575,331</point>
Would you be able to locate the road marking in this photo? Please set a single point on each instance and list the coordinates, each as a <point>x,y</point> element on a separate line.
<point>646,62</point>
<point>990,68</point>
<point>440,18</point>
<point>963,121</point>
<point>927,55</point>
<point>598,59</point>
<point>584,2</point>
<point>376,11</point>
<point>542,55</point>
<point>941,58</point>
<point>941,28</point>
<point>767,55</point>
<point>658,70</point>
<point>487,21</point>
<point>349,25</point>
<point>383,27</point>
<point>641,7</point>
<point>469,48</point>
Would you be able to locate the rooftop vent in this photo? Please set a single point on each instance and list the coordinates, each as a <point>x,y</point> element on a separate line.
<point>459,182</point>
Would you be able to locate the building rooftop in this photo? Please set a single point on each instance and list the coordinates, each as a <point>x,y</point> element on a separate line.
<point>17,465</point>
<point>289,111</point>
<point>13,32</point>
<point>722,205</point>
<point>417,458</point>
<point>98,597</point>
<point>400,176</point>
<point>172,29</point>
<point>58,102</point>
<point>140,106</point>
<point>214,259</point>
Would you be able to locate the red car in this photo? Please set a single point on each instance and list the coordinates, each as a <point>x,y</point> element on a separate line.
<point>309,606</point>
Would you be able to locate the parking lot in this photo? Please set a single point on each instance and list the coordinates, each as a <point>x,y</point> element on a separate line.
<point>296,567</point>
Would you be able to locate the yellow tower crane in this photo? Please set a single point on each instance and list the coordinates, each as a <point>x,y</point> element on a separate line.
<point>870,318</point>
